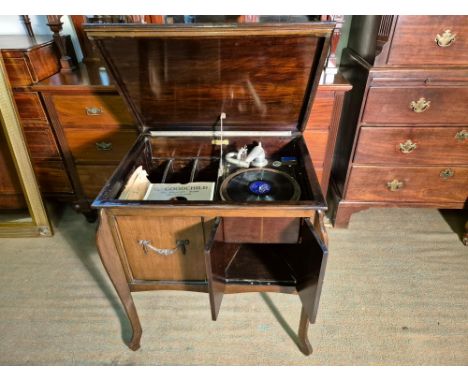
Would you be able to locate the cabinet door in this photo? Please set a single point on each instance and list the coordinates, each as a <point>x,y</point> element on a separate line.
<point>163,248</point>
<point>280,267</point>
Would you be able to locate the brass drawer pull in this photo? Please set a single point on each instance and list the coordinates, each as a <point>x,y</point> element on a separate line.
<point>461,135</point>
<point>447,38</point>
<point>447,173</point>
<point>93,111</point>
<point>420,106</point>
<point>180,244</point>
<point>394,185</point>
<point>408,147</point>
<point>104,146</point>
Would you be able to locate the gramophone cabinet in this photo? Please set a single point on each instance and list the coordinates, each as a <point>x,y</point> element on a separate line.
<point>199,92</point>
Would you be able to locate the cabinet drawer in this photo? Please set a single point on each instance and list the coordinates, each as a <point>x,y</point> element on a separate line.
<point>41,144</point>
<point>434,105</point>
<point>52,177</point>
<point>412,184</point>
<point>99,145</point>
<point>414,41</point>
<point>418,145</point>
<point>91,110</point>
<point>18,72</point>
<point>30,107</point>
<point>93,178</point>
<point>144,237</point>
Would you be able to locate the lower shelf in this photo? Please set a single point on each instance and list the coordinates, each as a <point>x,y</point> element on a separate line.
<point>260,264</point>
<point>284,267</point>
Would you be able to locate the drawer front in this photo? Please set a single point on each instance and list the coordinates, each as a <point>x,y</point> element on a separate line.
<point>41,144</point>
<point>52,177</point>
<point>99,145</point>
<point>414,41</point>
<point>93,178</point>
<point>418,105</point>
<point>91,110</point>
<point>153,247</point>
<point>30,107</point>
<point>408,184</point>
<point>419,145</point>
<point>18,72</point>
<point>317,142</point>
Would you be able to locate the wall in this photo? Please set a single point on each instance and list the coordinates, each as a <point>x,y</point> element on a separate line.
<point>13,25</point>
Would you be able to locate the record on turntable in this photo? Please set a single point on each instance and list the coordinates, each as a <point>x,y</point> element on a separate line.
<point>264,184</point>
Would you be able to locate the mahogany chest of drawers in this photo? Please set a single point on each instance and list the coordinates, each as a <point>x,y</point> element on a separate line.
<point>405,139</point>
<point>27,62</point>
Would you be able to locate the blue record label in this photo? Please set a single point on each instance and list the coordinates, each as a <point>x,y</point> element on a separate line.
<point>260,187</point>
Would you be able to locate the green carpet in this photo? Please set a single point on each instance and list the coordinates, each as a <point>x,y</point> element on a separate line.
<point>395,293</point>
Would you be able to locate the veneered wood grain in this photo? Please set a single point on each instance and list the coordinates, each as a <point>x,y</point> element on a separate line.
<point>420,184</point>
<point>83,144</point>
<point>41,144</point>
<point>434,145</point>
<point>261,230</point>
<point>260,79</point>
<point>414,43</point>
<point>18,71</point>
<point>322,108</point>
<point>163,232</point>
<point>391,105</point>
<point>93,177</point>
<point>317,142</point>
<point>52,177</point>
<point>30,107</point>
<point>72,111</point>
<point>44,61</point>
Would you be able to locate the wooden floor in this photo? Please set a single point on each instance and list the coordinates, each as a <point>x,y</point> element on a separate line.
<point>395,293</point>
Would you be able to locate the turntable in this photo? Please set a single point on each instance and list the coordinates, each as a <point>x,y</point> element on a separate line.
<point>221,110</point>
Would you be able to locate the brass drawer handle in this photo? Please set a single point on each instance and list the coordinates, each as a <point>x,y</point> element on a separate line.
<point>104,146</point>
<point>447,38</point>
<point>408,147</point>
<point>461,135</point>
<point>420,106</point>
<point>93,111</point>
<point>180,244</point>
<point>447,173</point>
<point>394,185</point>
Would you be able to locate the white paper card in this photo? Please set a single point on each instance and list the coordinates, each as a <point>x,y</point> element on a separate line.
<point>189,191</point>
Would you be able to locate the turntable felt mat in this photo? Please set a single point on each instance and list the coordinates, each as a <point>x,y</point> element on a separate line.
<point>395,292</point>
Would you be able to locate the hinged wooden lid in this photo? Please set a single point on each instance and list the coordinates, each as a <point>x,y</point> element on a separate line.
<point>263,76</point>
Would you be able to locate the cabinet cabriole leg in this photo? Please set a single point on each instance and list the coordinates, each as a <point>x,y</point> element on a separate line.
<point>304,343</point>
<point>111,262</point>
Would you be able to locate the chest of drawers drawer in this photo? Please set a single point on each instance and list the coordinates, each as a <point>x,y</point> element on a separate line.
<point>94,177</point>
<point>41,144</point>
<point>430,40</point>
<point>88,145</point>
<point>439,184</point>
<point>30,107</point>
<point>416,105</point>
<point>91,110</point>
<point>52,177</point>
<point>418,145</point>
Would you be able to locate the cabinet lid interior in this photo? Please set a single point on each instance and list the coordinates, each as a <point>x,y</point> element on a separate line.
<point>262,76</point>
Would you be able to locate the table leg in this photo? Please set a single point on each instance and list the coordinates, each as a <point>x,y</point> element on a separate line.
<point>111,261</point>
